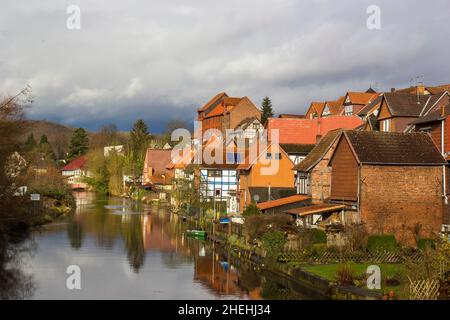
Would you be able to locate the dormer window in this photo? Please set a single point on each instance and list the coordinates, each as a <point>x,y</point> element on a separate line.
<point>326,112</point>
<point>348,110</point>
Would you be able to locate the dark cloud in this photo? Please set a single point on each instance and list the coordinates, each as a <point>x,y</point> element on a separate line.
<point>160,60</point>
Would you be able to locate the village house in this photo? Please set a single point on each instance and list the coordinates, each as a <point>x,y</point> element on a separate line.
<point>354,102</point>
<point>421,89</point>
<point>249,129</point>
<point>156,177</point>
<point>223,112</point>
<point>313,179</point>
<point>308,131</point>
<point>315,110</point>
<point>270,169</point>
<point>437,125</point>
<point>398,110</point>
<point>75,172</point>
<point>313,176</point>
<point>390,182</point>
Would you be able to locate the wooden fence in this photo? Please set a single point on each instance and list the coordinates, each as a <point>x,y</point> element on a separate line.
<point>328,257</point>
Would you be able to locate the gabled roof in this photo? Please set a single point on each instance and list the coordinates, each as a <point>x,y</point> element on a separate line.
<point>361,98</point>
<point>319,151</point>
<point>214,101</point>
<point>405,104</point>
<point>246,122</point>
<point>336,107</point>
<point>433,116</point>
<point>371,107</point>
<point>76,164</point>
<point>393,148</point>
<point>317,107</point>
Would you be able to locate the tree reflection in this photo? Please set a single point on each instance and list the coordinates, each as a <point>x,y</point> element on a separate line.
<point>75,233</point>
<point>14,283</point>
<point>134,242</point>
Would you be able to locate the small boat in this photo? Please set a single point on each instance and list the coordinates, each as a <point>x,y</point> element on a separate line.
<point>196,233</point>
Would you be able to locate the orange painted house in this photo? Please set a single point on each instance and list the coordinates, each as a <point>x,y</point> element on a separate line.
<point>272,168</point>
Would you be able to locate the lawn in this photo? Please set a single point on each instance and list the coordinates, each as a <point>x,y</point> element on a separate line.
<point>328,271</point>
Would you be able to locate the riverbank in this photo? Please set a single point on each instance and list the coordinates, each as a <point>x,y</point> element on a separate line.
<point>317,285</point>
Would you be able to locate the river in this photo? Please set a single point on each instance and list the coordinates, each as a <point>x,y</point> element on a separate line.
<point>127,250</point>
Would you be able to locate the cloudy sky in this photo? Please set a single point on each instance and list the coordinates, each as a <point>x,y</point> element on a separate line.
<point>160,60</point>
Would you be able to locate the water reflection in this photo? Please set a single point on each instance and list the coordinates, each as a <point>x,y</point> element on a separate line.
<point>14,282</point>
<point>134,256</point>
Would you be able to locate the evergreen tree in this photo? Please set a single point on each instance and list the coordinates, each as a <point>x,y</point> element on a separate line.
<point>267,111</point>
<point>79,144</point>
<point>46,149</point>
<point>139,139</point>
<point>44,140</point>
<point>30,144</point>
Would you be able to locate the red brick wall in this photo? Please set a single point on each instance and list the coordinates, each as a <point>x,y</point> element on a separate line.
<point>320,182</point>
<point>393,199</point>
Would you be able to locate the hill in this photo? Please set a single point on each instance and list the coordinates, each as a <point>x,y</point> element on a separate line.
<point>58,135</point>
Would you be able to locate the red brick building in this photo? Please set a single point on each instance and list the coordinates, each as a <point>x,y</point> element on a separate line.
<point>398,110</point>
<point>223,112</point>
<point>390,182</point>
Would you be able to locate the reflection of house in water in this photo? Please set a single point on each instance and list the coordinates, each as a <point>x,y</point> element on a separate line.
<point>218,275</point>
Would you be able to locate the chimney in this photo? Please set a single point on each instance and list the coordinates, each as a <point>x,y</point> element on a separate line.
<point>392,89</point>
<point>420,89</point>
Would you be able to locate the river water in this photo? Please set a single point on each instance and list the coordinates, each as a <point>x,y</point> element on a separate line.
<point>126,250</point>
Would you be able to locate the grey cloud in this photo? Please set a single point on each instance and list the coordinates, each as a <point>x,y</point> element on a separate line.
<point>159,59</point>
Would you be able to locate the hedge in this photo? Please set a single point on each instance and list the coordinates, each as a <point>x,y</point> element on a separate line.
<point>382,243</point>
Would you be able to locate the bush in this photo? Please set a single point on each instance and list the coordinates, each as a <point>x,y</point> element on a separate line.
<point>424,243</point>
<point>273,242</point>
<point>251,210</point>
<point>345,275</point>
<point>318,249</point>
<point>382,243</point>
<point>318,236</point>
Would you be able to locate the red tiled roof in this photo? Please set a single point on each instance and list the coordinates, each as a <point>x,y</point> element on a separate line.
<point>76,164</point>
<point>362,98</point>
<point>158,160</point>
<point>305,131</point>
<point>213,100</point>
<point>281,202</point>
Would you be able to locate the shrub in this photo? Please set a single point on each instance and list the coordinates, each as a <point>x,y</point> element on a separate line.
<point>273,242</point>
<point>318,249</point>
<point>251,210</point>
<point>424,243</point>
<point>318,236</point>
<point>345,275</point>
<point>382,243</point>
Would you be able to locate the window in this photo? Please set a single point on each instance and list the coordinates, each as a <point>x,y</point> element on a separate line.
<point>386,125</point>
<point>348,110</point>
<point>302,185</point>
<point>277,156</point>
<point>268,155</point>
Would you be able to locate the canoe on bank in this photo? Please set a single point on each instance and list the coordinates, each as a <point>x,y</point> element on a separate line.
<point>196,233</point>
